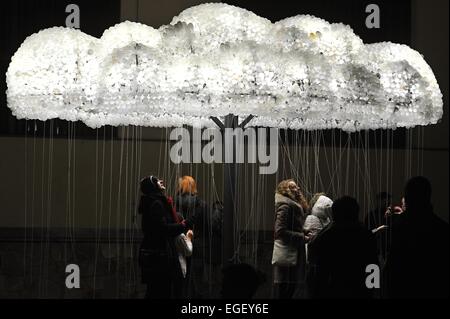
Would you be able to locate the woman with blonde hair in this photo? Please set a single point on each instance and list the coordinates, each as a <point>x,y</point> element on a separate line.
<point>288,258</point>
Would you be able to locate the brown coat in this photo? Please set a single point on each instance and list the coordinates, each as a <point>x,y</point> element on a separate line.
<point>289,221</point>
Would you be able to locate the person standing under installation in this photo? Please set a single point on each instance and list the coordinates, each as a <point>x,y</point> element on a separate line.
<point>289,247</point>
<point>341,253</point>
<point>158,257</point>
<point>319,219</point>
<point>204,265</point>
<point>417,265</point>
<point>379,222</point>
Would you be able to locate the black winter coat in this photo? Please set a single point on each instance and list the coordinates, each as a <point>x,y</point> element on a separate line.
<point>207,239</point>
<point>341,253</point>
<point>193,209</point>
<point>158,255</point>
<point>418,263</point>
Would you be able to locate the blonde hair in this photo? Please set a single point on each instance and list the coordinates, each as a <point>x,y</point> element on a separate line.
<point>187,185</point>
<point>284,189</point>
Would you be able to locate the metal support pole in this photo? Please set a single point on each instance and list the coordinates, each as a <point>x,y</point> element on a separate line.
<point>229,253</point>
<point>229,189</point>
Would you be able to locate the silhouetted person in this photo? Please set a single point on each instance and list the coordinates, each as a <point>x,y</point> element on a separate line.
<point>158,256</point>
<point>204,265</point>
<point>376,216</point>
<point>341,253</point>
<point>376,219</point>
<point>241,281</point>
<point>315,222</point>
<point>418,262</point>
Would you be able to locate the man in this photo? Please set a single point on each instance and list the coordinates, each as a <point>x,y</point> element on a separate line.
<point>341,253</point>
<point>418,262</point>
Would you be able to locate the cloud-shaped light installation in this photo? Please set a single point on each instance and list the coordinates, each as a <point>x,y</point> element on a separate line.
<point>216,59</point>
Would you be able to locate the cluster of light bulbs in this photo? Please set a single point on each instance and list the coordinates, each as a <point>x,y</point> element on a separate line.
<point>215,59</point>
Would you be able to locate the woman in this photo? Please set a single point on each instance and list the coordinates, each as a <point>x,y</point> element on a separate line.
<point>206,244</point>
<point>291,209</point>
<point>187,202</point>
<point>158,255</point>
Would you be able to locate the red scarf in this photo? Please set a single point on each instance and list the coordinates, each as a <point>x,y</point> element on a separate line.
<point>173,211</point>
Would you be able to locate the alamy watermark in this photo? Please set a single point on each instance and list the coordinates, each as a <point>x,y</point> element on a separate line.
<point>73,277</point>
<point>373,19</point>
<point>373,277</point>
<point>73,19</point>
<point>226,146</point>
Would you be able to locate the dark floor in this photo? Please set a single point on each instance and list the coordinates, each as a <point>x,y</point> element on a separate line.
<point>33,263</point>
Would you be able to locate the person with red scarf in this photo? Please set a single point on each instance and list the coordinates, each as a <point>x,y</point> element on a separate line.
<point>158,257</point>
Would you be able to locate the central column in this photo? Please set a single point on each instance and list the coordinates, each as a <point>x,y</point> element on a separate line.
<point>229,189</point>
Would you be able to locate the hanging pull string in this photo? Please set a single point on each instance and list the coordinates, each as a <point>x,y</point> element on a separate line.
<point>382,168</point>
<point>330,187</point>
<point>337,165</point>
<point>49,202</point>
<point>96,213</point>
<point>139,158</point>
<point>319,139</point>
<point>97,236</point>
<point>33,196</point>
<point>418,149</point>
<point>126,208</point>
<point>110,209</point>
<point>388,155</point>
<point>391,163</point>
<point>67,217</point>
<point>118,209</point>
<point>422,151</point>
<point>367,181</point>
<point>322,147</point>
<point>73,200</point>
<point>131,210</point>
<point>25,213</point>
<point>358,172</point>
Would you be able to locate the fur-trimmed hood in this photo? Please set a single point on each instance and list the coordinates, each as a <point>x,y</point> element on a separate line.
<point>289,221</point>
<point>281,199</point>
